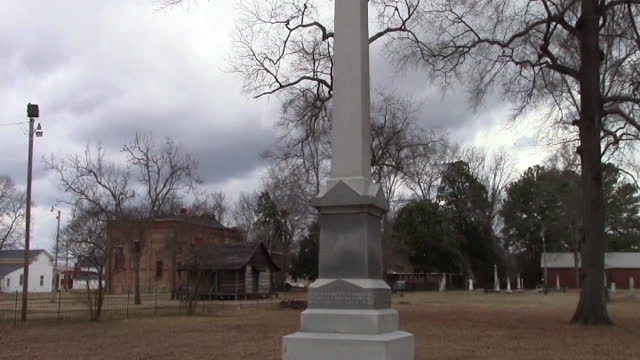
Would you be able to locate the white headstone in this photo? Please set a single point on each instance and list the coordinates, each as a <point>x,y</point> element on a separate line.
<point>470,284</point>
<point>518,283</point>
<point>443,283</point>
<point>613,288</point>
<point>631,287</point>
<point>496,281</point>
<point>508,285</point>
<point>557,282</point>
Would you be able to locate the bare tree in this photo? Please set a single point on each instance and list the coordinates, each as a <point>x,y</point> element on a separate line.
<point>396,140</point>
<point>425,165</point>
<point>213,204</point>
<point>86,240</point>
<point>577,58</point>
<point>91,180</point>
<point>243,214</point>
<point>498,172</point>
<point>285,48</point>
<point>165,171</point>
<point>12,204</point>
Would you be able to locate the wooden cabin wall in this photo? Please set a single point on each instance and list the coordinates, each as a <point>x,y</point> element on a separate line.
<point>227,282</point>
<point>264,282</point>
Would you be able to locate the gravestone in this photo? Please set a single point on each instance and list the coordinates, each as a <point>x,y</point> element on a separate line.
<point>632,288</point>
<point>613,288</point>
<point>519,283</point>
<point>443,283</point>
<point>349,315</point>
<point>496,281</point>
<point>470,284</point>
<point>558,282</point>
<point>508,285</point>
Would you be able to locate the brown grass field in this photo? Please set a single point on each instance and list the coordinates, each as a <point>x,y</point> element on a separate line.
<point>453,325</point>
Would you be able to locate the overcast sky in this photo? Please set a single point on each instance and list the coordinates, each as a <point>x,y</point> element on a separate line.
<point>102,70</point>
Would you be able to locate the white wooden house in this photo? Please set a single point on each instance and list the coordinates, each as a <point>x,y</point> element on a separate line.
<point>40,271</point>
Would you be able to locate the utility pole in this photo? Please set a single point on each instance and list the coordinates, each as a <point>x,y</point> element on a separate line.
<point>33,112</point>
<point>56,280</point>
<point>544,261</point>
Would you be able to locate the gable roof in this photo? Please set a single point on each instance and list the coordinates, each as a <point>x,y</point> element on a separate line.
<point>6,269</point>
<point>612,260</point>
<point>19,254</point>
<point>229,256</point>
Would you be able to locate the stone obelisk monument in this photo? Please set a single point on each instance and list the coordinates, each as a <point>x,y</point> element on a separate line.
<point>349,315</point>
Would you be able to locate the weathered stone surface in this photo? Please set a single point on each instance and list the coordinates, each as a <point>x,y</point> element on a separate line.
<point>341,294</point>
<point>349,321</point>
<point>351,192</point>
<point>397,345</point>
<point>350,246</point>
<point>351,136</point>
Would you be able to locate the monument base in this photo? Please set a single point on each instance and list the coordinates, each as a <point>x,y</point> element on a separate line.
<point>397,345</point>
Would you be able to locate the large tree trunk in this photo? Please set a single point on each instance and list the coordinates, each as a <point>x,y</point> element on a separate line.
<point>592,307</point>
<point>576,251</point>
<point>136,278</point>
<point>99,295</point>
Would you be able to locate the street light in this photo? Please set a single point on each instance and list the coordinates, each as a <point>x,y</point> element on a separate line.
<point>33,112</point>
<point>56,280</point>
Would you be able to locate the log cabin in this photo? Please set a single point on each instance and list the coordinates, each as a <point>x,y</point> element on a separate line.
<point>236,271</point>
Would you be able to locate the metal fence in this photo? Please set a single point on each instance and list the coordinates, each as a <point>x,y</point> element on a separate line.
<point>75,305</point>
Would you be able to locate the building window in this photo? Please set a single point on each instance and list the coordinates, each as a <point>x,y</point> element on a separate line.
<point>118,259</point>
<point>159,269</point>
<point>21,276</point>
<point>41,280</point>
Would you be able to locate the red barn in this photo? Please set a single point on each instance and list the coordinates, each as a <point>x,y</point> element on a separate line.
<point>619,269</point>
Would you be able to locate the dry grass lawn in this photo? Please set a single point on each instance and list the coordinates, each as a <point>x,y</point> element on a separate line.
<point>454,325</point>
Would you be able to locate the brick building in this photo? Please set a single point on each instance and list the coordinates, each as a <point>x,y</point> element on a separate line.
<point>619,269</point>
<point>164,243</point>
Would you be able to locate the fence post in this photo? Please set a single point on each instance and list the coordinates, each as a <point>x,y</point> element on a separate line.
<point>127,305</point>
<point>15,311</point>
<point>59,303</point>
<point>155,309</point>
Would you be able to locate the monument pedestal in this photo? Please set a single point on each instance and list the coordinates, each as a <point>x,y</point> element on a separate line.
<point>350,315</point>
<point>396,345</point>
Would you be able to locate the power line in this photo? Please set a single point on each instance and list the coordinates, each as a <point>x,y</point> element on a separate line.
<point>15,123</point>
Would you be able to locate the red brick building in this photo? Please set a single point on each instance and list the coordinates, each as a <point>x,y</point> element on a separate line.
<point>619,269</point>
<point>164,244</point>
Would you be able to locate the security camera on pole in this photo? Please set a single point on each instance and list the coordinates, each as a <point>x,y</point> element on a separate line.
<point>33,112</point>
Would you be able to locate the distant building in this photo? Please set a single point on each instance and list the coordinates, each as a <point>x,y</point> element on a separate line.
<point>86,274</point>
<point>619,268</point>
<point>40,271</point>
<point>227,270</point>
<point>164,243</point>
<point>64,276</point>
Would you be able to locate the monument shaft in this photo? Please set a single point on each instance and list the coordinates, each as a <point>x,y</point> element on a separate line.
<point>351,149</point>
<point>349,315</point>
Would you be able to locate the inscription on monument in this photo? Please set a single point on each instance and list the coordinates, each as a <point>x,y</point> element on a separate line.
<point>343,295</point>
